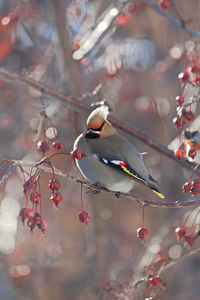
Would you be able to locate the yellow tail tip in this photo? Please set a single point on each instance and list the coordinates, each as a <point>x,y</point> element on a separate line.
<point>158,194</point>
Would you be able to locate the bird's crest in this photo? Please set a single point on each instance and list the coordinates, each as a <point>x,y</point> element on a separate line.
<point>97,117</point>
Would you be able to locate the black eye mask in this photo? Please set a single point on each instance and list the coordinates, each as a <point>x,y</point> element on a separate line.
<point>92,135</point>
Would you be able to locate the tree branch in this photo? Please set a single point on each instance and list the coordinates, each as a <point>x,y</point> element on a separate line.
<point>169,18</point>
<point>93,188</point>
<point>125,127</point>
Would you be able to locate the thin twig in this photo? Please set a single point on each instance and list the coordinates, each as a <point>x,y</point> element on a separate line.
<point>125,127</point>
<point>177,22</point>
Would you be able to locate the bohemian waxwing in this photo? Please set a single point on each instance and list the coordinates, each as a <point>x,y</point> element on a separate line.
<point>110,159</point>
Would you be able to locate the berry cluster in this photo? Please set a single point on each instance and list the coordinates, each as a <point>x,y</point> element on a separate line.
<point>192,186</point>
<point>32,193</point>
<point>33,215</point>
<point>181,234</point>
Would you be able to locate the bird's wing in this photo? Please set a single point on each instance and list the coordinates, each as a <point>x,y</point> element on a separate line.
<point>125,168</point>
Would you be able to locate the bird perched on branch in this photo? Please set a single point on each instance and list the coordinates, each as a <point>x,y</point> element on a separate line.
<point>110,160</point>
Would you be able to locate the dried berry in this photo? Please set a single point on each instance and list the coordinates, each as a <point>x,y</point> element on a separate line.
<point>179,154</point>
<point>180,232</point>
<point>35,197</point>
<point>78,154</point>
<point>56,198</point>
<point>189,116</point>
<point>195,190</point>
<point>142,233</point>
<point>26,213</point>
<point>178,121</point>
<point>43,146</point>
<point>54,184</point>
<point>189,239</point>
<point>183,76</point>
<point>180,100</point>
<point>42,225</point>
<point>84,216</point>
<point>57,145</point>
<point>192,152</point>
<point>164,4</point>
<point>28,185</point>
<point>155,281</point>
<point>186,187</point>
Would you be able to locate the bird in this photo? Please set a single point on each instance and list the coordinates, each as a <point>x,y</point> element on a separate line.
<point>110,160</point>
<point>193,139</point>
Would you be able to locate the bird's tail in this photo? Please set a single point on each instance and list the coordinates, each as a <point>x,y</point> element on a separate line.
<point>155,190</point>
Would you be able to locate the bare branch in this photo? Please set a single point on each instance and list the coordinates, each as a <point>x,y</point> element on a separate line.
<point>177,22</point>
<point>125,127</point>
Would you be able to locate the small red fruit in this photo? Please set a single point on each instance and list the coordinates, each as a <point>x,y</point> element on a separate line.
<point>189,239</point>
<point>192,152</point>
<point>186,187</point>
<point>84,216</point>
<point>123,19</point>
<point>142,233</point>
<point>164,4</point>
<point>43,146</point>
<point>189,116</point>
<point>57,145</point>
<point>155,281</point>
<point>26,213</point>
<point>56,198</point>
<point>54,184</point>
<point>180,100</point>
<point>183,76</point>
<point>28,185</point>
<point>42,225</point>
<point>78,154</point>
<point>179,154</point>
<point>195,190</point>
<point>35,198</point>
<point>180,232</point>
<point>178,121</point>
<point>196,182</point>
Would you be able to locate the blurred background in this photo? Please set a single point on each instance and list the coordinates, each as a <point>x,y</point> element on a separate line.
<point>126,54</point>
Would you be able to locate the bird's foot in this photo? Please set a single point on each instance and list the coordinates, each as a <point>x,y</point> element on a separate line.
<point>118,194</point>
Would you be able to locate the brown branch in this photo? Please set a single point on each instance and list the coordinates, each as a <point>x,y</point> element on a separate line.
<point>93,188</point>
<point>125,127</point>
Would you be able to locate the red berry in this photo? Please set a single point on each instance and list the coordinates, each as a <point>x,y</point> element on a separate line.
<point>78,154</point>
<point>180,232</point>
<point>56,198</point>
<point>35,198</point>
<point>57,145</point>
<point>54,184</point>
<point>180,100</point>
<point>43,146</point>
<point>28,185</point>
<point>26,213</point>
<point>183,76</point>
<point>164,4</point>
<point>195,190</point>
<point>179,154</point>
<point>189,116</point>
<point>178,121</point>
<point>42,225</point>
<point>155,281</point>
<point>123,19</point>
<point>84,216</point>
<point>186,187</point>
<point>192,153</point>
<point>189,239</point>
<point>37,218</point>
<point>142,233</point>
<point>196,182</point>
